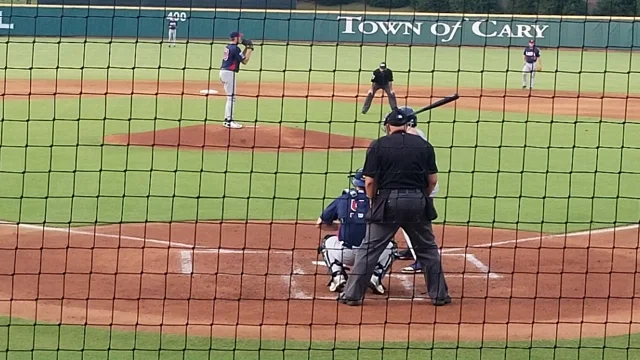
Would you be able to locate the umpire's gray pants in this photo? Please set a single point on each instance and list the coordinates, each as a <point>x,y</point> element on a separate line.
<point>375,242</point>
<point>370,95</point>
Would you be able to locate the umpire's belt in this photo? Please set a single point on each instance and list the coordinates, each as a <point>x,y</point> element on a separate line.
<point>398,191</point>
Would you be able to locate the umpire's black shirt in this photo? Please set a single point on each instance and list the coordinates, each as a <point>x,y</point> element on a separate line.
<point>400,161</point>
<point>382,77</point>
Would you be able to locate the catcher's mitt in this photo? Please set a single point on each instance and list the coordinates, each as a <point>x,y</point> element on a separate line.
<point>247,43</point>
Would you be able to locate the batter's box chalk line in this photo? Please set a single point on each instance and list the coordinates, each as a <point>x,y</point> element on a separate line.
<point>477,263</point>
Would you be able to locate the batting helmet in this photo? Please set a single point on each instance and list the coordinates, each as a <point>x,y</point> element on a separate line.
<point>399,117</point>
<point>358,178</point>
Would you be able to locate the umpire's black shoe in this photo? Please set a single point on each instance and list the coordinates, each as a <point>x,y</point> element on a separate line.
<point>343,300</point>
<point>441,302</point>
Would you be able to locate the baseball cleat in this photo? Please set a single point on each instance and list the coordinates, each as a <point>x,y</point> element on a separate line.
<point>376,285</point>
<point>524,86</point>
<point>232,125</point>
<point>337,283</point>
<point>412,269</point>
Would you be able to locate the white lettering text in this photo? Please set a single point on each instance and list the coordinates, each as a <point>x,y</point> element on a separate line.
<point>3,25</point>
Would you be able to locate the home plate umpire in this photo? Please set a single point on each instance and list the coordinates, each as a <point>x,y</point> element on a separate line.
<point>400,172</point>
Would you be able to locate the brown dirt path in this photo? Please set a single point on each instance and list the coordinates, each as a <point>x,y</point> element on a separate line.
<point>589,104</point>
<point>262,138</point>
<point>257,280</point>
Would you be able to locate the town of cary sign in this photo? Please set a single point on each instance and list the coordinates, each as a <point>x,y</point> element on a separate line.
<point>444,31</point>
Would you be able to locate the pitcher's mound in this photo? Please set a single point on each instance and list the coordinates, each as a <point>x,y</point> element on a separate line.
<point>262,138</point>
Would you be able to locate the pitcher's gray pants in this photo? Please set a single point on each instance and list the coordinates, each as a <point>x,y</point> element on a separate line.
<point>228,79</point>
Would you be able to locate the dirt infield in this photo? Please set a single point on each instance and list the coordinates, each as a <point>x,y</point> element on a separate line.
<point>259,280</point>
<point>591,104</point>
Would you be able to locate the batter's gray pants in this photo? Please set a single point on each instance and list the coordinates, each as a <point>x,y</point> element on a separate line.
<point>371,94</point>
<point>375,242</point>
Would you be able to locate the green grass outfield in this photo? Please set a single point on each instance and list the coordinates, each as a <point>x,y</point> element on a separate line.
<point>497,169</point>
<point>442,66</point>
<point>59,171</point>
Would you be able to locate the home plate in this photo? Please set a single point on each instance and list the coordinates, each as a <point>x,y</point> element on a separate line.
<point>208,92</point>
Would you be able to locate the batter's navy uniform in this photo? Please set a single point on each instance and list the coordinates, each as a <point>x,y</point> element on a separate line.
<point>231,60</point>
<point>173,26</point>
<point>338,251</point>
<point>531,55</point>
<point>381,78</point>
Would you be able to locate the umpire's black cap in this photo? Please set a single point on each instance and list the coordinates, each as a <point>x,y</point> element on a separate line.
<point>397,117</point>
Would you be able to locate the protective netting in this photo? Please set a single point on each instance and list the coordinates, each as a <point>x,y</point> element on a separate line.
<point>134,225</point>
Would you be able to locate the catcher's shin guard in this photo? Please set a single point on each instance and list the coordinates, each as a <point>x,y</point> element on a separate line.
<point>322,249</point>
<point>386,260</point>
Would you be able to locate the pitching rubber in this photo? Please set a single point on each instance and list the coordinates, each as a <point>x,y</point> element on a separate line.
<point>208,92</point>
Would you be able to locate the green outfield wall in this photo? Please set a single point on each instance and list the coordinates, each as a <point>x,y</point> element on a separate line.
<point>321,27</point>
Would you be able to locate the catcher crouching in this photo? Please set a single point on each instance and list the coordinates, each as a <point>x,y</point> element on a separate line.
<point>339,251</point>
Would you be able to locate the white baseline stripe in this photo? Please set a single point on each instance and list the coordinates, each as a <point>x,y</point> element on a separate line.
<point>547,237</point>
<point>205,249</point>
<point>481,266</point>
<point>294,290</point>
<point>198,249</point>
<point>406,280</point>
<point>96,234</point>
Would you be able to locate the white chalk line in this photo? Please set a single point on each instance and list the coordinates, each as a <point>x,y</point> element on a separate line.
<point>481,266</point>
<point>294,290</point>
<point>96,234</point>
<point>547,237</point>
<point>186,267</point>
<point>407,281</point>
<point>204,249</point>
<point>409,277</point>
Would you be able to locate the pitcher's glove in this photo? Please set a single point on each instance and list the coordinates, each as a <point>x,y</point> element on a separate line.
<point>538,67</point>
<point>247,43</point>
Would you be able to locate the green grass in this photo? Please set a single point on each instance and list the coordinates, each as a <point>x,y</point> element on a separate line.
<point>21,339</point>
<point>418,66</point>
<point>567,176</point>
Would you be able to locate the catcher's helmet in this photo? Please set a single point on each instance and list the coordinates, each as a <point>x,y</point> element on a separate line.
<point>400,116</point>
<point>358,178</point>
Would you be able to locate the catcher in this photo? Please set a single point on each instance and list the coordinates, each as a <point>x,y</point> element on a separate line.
<point>339,251</point>
<point>532,64</point>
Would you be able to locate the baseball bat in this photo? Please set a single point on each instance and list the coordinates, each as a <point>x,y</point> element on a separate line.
<point>438,103</point>
<point>409,244</point>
